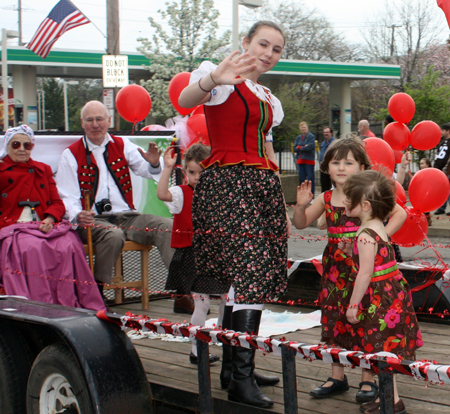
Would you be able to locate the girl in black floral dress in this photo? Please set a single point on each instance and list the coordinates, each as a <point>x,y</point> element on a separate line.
<point>380,316</point>
<point>238,209</point>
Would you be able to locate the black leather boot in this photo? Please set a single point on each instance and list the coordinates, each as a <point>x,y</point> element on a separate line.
<point>225,373</point>
<point>243,387</point>
<point>227,351</point>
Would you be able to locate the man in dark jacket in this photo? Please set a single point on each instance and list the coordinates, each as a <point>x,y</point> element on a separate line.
<point>325,180</point>
<point>304,147</point>
<point>442,157</point>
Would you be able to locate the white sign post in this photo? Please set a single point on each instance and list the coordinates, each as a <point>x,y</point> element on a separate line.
<point>115,71</point>
<point>108,101</point>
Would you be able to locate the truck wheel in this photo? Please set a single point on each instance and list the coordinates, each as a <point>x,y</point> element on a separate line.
<point>15,366</point>
<point>57,385</point>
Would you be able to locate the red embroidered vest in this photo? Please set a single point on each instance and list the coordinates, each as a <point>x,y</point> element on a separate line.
<point>182,222</point>
<point>237,130</point>
<point>116,163</point>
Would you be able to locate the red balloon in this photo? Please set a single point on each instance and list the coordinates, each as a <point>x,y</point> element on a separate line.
<point>198,130</point>
<point>176,86</point>
<point>413,230</point>
<point>154,127</point>
<point>397,136</point>
<point>133,103</point>
<point>425,135</point>
<point>402,107</point>
<point>398,156</point>
<point>400,194</point>
<point>428,189</point>
<point>380,154</point>
<point>198,110</point>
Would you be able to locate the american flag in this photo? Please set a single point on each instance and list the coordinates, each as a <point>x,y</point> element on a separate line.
<point>63,17</point>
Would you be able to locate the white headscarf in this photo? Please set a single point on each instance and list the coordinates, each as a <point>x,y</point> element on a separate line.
<point>22,129</point>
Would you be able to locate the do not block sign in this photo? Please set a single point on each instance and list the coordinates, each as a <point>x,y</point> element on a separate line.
<point>115,71</point>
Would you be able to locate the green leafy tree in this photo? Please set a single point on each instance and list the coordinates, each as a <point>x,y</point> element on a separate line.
<point>54,102</point>
<point>301,101</point>
<point>193,25</point>
<point>78,95</point>
<point>432,101</point>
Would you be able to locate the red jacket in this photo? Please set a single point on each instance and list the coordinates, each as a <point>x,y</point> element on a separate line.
<point>31,181</point>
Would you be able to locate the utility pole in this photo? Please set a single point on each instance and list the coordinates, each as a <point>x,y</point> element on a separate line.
<point>19,9</point>
<point>392,37</point>
<point>113,42</point>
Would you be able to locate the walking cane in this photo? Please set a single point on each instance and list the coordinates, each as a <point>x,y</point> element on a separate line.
<point>87,204</point>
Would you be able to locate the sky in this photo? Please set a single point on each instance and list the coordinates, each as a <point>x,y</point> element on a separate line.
<point>347,20</point>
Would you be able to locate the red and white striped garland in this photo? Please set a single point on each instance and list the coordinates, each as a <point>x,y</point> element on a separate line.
<point>429,371</point>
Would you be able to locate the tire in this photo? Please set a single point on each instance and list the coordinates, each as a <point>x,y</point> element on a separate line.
<point>57,385</point>
<point>15,366</point>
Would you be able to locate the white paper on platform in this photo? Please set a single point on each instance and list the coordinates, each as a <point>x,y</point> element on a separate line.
<point>272,323</point>
<point>277,323</point>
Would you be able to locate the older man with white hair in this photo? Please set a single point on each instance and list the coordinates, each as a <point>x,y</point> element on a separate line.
<point>364,129</point>
<point>101,163</point>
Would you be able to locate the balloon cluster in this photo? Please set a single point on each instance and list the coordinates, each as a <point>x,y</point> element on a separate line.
<point>196,123</point>
<point>133,103</point>
<point>429,188</point>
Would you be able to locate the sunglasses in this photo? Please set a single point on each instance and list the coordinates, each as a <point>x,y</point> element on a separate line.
<point>28,146</point>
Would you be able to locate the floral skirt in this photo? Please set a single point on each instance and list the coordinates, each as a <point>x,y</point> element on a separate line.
<point>240,236</point>
<point>337,280</point>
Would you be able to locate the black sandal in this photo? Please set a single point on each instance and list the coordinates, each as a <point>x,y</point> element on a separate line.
<point>367,396</point>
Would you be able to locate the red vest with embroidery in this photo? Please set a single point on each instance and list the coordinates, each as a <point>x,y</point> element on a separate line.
<point>116,163</point>
<point>237,130</point>
<point>182,222</point>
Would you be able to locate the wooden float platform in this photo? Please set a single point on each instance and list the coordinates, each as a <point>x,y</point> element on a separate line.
<point>173,379</point>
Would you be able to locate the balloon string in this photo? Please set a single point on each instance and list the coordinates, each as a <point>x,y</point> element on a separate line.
<point>134,127</point>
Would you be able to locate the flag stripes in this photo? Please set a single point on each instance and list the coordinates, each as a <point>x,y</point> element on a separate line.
<point>63,17</point>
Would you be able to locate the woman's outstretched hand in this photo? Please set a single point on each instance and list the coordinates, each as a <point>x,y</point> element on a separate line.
<point>233,66</point>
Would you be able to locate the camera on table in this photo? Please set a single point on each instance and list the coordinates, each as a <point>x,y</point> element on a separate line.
<point>103,205</point>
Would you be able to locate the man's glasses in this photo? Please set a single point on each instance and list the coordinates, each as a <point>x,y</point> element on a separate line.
<point>99,120</point>
<point>28,146</point>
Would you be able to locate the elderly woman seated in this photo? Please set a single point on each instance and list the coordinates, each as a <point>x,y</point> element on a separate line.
<point>41,257</point>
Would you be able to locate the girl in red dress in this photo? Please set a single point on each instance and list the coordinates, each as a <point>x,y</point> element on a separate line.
<point>344,158</point>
